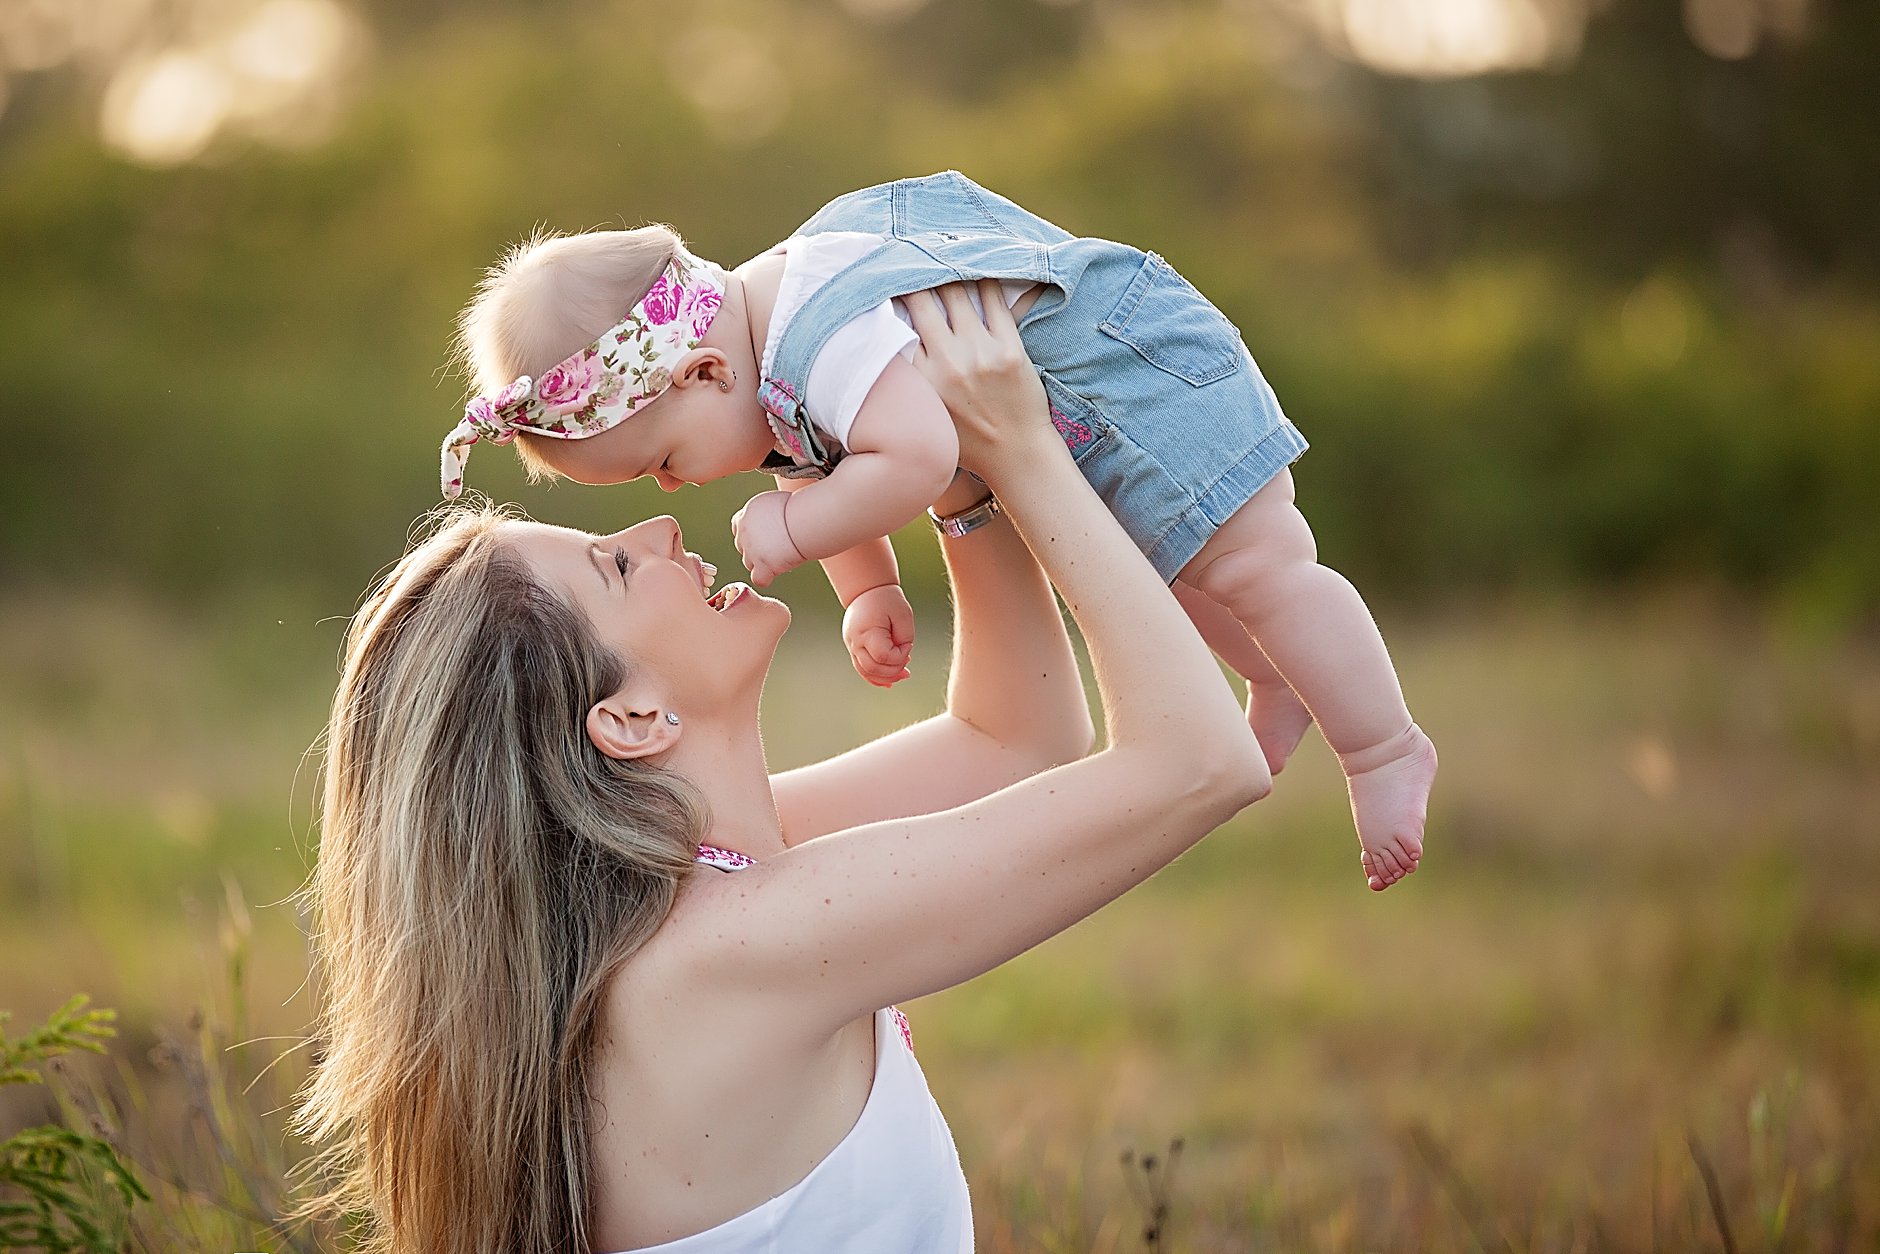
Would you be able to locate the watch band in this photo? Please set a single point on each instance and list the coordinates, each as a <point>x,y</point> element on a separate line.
<point>972,518</point>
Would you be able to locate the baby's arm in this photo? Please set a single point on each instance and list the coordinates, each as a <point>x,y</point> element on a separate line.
<point>857,568</point>
<point>902,454</point>
<point>877,621</point>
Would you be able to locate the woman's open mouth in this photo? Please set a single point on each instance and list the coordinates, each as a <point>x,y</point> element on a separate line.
<point>727,596</point>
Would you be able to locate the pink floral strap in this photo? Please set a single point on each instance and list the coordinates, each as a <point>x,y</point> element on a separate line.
<point>724,859</point>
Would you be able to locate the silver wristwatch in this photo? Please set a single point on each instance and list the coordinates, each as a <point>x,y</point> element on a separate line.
<point>972,518</point>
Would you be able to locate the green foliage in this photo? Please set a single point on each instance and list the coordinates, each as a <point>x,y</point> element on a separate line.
<point>1649,922</point>
<point>1659,368</point>
<point>61,1191</point>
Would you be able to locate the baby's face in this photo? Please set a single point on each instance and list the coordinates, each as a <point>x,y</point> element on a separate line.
<point>689,435</point>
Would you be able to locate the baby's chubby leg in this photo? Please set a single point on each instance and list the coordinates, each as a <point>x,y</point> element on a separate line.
<point>1314,627</point>
<point>1274,712</point>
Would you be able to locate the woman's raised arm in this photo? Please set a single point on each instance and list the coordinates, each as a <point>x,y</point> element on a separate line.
<point>836,927</point>
<point>1015,703</point>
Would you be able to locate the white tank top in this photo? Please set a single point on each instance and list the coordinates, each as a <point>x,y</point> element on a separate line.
<point>893,1185</point>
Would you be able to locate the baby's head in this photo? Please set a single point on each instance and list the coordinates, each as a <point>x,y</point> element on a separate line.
<point>638,357</point>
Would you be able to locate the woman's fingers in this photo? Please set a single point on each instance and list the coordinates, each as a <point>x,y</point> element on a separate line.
<point>925,312</point>
<point>998,314</point>
<point>1008,349</point>
<point>959,307</point>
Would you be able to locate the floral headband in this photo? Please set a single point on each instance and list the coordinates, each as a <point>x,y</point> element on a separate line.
<point>605,383</point>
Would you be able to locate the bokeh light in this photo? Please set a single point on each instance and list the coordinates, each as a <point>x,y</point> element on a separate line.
<point>166,109</point>
<point>1452,38</point>
<point>745,95</point>
<point>883,10</point>
<point>177,80</point>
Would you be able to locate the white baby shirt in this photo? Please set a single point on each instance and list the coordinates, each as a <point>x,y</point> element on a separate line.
<point>855,356</point>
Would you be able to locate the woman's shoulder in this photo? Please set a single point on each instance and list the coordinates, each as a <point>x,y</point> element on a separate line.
<point>697,961</point>
<point>697,936</point>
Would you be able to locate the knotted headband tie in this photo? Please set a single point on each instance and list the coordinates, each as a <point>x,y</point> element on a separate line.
<point>606,383</point>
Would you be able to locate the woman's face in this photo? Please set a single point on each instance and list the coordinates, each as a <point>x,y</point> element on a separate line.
<point>650,600</point>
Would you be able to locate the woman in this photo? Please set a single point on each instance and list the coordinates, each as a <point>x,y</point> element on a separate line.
<point>548,1030</point>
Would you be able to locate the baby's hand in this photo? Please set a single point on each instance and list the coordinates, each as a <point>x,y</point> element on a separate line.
<point>763,539</point>
<point>879,631</point>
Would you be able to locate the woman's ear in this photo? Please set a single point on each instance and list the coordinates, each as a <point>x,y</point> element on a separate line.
<point>625,730</point>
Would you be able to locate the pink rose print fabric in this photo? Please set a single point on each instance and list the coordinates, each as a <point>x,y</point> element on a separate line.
<point>605,383</point>
<point>662,300</point>
<point>724,859</point>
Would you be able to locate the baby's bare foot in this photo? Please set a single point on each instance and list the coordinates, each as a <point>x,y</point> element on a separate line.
<point>1278,719</point>
<point>1390,794</point>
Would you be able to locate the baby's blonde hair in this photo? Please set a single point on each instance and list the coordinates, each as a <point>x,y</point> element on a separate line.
<point>548,298</point>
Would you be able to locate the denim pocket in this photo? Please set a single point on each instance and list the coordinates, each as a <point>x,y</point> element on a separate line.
<point>1173,326</point>
<point>1079,423</point>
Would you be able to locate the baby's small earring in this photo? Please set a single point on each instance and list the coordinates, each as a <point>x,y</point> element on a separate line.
<point>723,386</point>
<point>672,718</point>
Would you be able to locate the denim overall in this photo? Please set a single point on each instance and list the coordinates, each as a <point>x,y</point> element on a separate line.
<point>1149,384</point>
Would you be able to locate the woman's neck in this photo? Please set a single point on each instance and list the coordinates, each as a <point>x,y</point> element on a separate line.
<point>726,763</point>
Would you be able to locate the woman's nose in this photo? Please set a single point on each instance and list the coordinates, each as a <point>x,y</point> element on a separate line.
<point>666,535</point>
<point>658,535</point>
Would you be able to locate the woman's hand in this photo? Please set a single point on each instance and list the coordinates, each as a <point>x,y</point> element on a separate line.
<point>981,372</point>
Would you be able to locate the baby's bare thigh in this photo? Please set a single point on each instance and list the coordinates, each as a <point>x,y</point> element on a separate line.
<point>1267,530</point>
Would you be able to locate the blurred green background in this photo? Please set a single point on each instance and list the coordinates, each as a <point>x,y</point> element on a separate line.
<point>1578,301</point>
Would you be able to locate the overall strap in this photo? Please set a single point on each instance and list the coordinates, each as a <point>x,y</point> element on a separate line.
<point>939,229</point>
<point>893,269</point>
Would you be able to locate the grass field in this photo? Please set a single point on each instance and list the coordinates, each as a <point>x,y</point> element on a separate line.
<point>1645,944</point>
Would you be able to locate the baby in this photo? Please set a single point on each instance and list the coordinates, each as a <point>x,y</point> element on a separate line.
<point>799,362</point>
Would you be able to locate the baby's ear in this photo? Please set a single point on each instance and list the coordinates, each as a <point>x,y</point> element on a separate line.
<point>706,366</point>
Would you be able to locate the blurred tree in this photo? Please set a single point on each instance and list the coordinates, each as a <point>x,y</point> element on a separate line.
<point>1606,322</point>
<point>1647,150</point>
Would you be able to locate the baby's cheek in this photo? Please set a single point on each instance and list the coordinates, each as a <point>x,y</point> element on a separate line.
<point>599,459</point>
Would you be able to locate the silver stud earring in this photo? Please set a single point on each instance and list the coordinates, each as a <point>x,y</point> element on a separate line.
<point>724,385</point>
<point>672,718</point>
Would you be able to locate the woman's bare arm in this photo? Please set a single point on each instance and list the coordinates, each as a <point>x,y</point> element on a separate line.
<point>836,927</point>
<point>1015,702</point>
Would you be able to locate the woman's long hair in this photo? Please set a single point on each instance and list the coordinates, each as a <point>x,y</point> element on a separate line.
<point>482,870</point>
